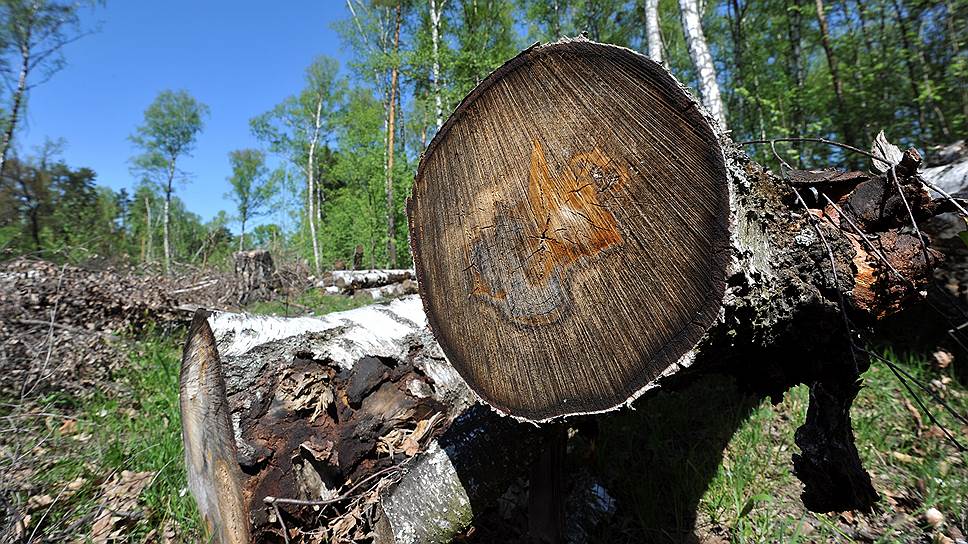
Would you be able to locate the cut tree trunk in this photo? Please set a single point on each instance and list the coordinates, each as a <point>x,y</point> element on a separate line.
<point>588,268</point>
<point>351,280</point>
<point>255,275</point>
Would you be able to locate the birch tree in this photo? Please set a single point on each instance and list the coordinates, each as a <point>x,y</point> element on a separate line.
<point>701,59</point>
<point>299,128</point>
<point>436,11</point>
<point>171,125</point>
<point>391,131</point>
<point>252,188</point>
<point>34,33</point>
<point>652,33</point>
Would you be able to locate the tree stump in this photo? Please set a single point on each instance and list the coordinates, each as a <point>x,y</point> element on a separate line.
<point>255,275</point>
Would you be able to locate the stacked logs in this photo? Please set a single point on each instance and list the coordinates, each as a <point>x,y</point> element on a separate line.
<point>576,290</point>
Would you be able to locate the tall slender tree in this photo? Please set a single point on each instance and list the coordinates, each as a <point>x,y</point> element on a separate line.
<point>169,132</point>
<point>844,114</point>
<point>436,12</point>
<point>33,34</point>
<point>393,89</point>
<point>252,188</point>
<point>652,32</point>
<point>795,29</point>
<point>300,129</point>
<point>702,60</point>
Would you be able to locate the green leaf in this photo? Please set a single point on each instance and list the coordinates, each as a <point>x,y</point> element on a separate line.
<point>752,502</point>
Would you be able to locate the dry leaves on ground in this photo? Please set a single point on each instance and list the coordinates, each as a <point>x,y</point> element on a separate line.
<point>120,505</point>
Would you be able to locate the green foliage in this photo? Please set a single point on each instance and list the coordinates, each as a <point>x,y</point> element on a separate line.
<point>139,430</point>
<point>252,188</point>
<point>902,66</point>
<point>170,128</point>
<point>314,300</point>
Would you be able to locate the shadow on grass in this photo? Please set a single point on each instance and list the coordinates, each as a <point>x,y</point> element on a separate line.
<point>659,459</point>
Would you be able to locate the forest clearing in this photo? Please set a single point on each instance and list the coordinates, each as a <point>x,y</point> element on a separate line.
<point>496,271</point>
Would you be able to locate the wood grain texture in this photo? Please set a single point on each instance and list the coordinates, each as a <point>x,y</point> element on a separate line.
<point>214,477</point>
<point>570,227</point>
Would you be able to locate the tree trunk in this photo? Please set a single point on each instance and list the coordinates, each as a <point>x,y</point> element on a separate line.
<point>652,32</point>
<point>254,276</point>
<point>18,97</point>
<point>435,15</point>
<point>242,236</point>
<point>149,253</point>
<point>796,73</point>
<point>391,152</point>
<point>844,114</point>
<point>166,234</point>
<point>361,415</point>
<point>311,183</point>
<point>702,60</point>
<point>909,64</point>
<point>351,280</point>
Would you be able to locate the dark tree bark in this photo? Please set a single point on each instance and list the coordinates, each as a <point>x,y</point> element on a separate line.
<point>255,275</point>
<point>844,114</point>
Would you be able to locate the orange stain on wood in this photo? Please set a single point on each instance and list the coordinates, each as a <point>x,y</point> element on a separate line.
<point>562,220</point>
<point>569,221</point>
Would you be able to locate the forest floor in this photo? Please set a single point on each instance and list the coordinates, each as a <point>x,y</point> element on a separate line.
<point>104,462</point>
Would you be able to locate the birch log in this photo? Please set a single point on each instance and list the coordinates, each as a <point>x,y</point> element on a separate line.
<point>363,413</point>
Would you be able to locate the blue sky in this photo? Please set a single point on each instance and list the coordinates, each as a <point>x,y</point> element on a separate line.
<point>240,57</point>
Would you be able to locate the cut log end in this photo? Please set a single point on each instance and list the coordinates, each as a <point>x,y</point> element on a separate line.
<point>578,193</point>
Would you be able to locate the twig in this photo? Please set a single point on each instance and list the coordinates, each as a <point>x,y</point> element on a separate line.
<point>24,392</point>
<point>815,140</point>
<point>922,406</point>
<point>942,192</point>
<point>282,523</point>
<point>67,328</point>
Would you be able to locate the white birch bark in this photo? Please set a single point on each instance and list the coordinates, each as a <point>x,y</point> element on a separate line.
<point>703,61</point>
<point>435,14</point>
<point>311,181</point>
<point>652,33</point>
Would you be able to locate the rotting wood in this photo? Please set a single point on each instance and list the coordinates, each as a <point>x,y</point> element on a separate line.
<point>356,412</point>
<point>318,396</point>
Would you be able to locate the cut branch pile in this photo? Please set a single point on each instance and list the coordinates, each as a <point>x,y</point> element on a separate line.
<point>59,324</point>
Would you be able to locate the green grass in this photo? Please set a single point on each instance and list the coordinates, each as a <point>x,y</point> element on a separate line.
<point>712,452</point>
<point>706,459</point>
<point>134,426</point>
<point>316,300</point>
